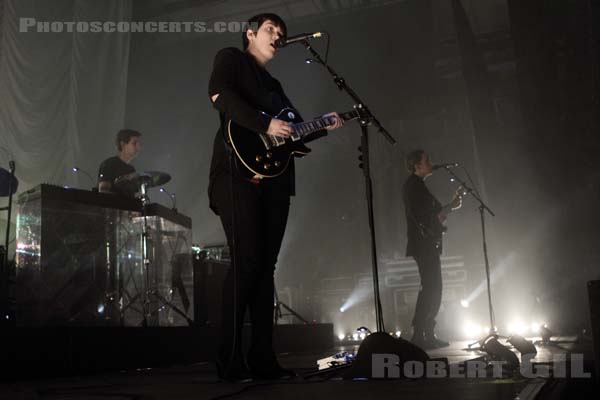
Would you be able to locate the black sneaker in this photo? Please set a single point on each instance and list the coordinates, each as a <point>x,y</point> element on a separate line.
<point>436,342</point>
<point>234,375</point>
<point>273,373</point>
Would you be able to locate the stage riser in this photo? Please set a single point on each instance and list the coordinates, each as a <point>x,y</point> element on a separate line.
<point>46,352</point>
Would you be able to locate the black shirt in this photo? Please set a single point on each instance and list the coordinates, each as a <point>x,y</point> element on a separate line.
<point>423,227</point>
<point>111,169</point>
<point>245,90</point>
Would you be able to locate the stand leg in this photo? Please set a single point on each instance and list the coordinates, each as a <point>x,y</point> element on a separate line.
<point>369,193</point>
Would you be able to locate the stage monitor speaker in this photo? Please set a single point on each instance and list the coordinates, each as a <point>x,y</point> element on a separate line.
<point>379,344</point>
<point>594,298</point>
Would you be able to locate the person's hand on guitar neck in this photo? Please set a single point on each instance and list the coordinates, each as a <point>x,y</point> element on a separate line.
<point>339,122</point>
<point>283,129</point>
<point>455,204</point>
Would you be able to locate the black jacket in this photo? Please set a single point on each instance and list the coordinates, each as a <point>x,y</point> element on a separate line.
<point>424,230</point>
<point>245,91</point>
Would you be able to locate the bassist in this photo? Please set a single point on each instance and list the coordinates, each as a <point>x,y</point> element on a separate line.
<point>424,218</point>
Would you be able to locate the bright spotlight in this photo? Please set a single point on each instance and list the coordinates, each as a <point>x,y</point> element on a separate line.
<point>398,333</point>
<point>464,303</point>
<point>341,336</point>
<point>100,308</point>
<point>355,336</point>
<point>535,327</point>
<point>517,327</point>
<point>362,336</point>
<point>472,330</point>
<point>342,309</point>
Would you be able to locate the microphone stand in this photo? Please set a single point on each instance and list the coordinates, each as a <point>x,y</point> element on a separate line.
<point>366,118</point>
<point>482,209</point>
<point>172,197</point>
<point>77,170</point>
<point>5,273</point>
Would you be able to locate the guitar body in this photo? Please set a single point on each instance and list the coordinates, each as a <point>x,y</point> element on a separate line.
<point>263,156</point>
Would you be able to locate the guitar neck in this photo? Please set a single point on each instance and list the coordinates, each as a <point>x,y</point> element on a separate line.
<point>302,129</point>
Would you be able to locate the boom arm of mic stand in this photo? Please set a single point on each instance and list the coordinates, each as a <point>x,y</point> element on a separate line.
<point>342,85</point>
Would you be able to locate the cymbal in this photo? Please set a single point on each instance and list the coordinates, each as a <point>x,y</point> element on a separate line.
<point>154,178</point>
<point>149,178</point>
<point>5,178</point>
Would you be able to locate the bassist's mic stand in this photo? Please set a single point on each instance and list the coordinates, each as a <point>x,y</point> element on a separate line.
<point>7,279</point>
<point>493,332</point>
<point>378,339</point>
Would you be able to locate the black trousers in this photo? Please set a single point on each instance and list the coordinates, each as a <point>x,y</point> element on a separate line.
<point>430,295</point>
<point>254,217</point>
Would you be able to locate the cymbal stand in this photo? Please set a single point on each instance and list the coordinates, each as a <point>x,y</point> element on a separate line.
<point>148,291</point>
<point>145,259</point>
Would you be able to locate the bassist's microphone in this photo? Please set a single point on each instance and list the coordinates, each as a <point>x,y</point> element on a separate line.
<point>282,42</point>
<point>447,165</point>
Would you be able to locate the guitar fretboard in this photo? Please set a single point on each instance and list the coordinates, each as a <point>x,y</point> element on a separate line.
<point>301,129</point>
<point>304,128</point>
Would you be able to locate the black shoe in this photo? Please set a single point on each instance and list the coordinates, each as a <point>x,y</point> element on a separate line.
<point>273,373</point>
<point>423,343</point>
<point>234,375</point>
<point>436,342</point>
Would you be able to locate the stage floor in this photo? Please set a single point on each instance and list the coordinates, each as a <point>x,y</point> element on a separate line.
<point>199,381</point>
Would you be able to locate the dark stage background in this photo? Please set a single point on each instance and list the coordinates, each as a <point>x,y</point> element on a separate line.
<point>508,90</point>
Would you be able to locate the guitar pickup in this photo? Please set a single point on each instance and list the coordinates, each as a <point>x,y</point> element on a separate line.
<point>266,141</point>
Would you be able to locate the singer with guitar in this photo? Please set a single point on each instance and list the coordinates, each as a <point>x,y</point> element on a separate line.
<point>257,121</point>
<point>425,218</point>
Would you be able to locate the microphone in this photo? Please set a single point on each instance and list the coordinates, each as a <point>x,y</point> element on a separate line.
<point>282,42</point>
<point>172,196</point>
<point>77,170</point>
<point>447,165</point>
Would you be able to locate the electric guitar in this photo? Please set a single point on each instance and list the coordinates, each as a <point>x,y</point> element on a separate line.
<point>268,156</point>
<point>439,228</point>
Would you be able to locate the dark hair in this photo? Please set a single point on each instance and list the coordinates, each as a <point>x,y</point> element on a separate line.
<point>256,22</point>
<point>124,136</point>
<point>413,158</point>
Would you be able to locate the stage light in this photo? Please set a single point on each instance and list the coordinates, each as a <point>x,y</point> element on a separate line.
<point>464,303</point>
<point>517,327</point>
<point>472,330</point>
<point>362,336</point>
<point>545,333</point>
<point>341,336</point>
<point>100,308</point>
<point>398,333</point>
<point>355,336</point>
<point>535,327</point>
<point>342,309</point>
